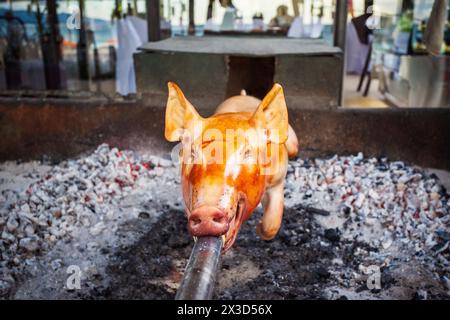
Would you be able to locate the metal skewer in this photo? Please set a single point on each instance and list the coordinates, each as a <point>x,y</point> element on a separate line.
<point>200,275</point>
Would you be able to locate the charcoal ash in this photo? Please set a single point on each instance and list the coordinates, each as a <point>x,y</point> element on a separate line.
<point>118,215</point>
<point>383,203</point>
<point>80,201</point>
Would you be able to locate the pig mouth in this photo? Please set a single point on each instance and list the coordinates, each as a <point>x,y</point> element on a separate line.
<point>234,226</point>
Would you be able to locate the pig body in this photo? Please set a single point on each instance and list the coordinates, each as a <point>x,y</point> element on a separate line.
<point>225,176</point>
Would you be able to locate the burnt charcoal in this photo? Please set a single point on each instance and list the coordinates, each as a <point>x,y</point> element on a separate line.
<point>322,273</point>
<point>333,235</point>
<point>117,214</point>
<point>144,215</point>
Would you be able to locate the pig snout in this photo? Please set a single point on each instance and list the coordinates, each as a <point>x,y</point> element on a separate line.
<point>207,221</point>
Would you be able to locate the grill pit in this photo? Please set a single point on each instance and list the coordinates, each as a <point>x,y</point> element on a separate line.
<point>118,216</point>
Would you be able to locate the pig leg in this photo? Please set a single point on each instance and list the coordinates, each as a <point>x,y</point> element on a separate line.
<point>273,204</point>
<point>292,143</point>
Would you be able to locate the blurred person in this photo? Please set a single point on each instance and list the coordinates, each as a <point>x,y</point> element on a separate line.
<point>258,22</point>
<point>230,15</point>
<point>282,20</point>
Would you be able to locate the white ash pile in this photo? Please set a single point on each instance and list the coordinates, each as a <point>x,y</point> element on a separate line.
<point>84,211</point>
<point>77,198</point>
<point>385,204</point>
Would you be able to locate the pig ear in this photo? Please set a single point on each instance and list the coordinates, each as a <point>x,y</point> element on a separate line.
<point>180,113</point>
<point>272,115</point>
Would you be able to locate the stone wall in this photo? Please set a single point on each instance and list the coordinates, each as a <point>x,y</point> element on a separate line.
<point>32,128</point>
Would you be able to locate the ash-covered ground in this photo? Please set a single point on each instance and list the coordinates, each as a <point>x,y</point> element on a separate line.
<point>353,228</point>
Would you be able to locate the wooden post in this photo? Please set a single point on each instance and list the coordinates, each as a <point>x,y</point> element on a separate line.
<point>135,8</point>
<point>340,28</point>
<point>82,49</point>
<point>296,6</point>
<point>191,28</point>
<point>340,23</point>
<point>209,12</point>
<point>51,49</point>
<point>153,20</point>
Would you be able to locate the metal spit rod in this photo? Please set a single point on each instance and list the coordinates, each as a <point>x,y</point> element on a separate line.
<point>200,275</point>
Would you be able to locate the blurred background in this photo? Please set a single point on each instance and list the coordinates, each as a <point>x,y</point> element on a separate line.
<point>86,46</point>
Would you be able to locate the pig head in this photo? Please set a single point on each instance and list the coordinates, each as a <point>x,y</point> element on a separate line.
<point>232,161</point>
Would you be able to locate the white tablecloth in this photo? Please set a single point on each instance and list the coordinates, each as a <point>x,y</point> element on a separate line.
<point>131,34</point>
